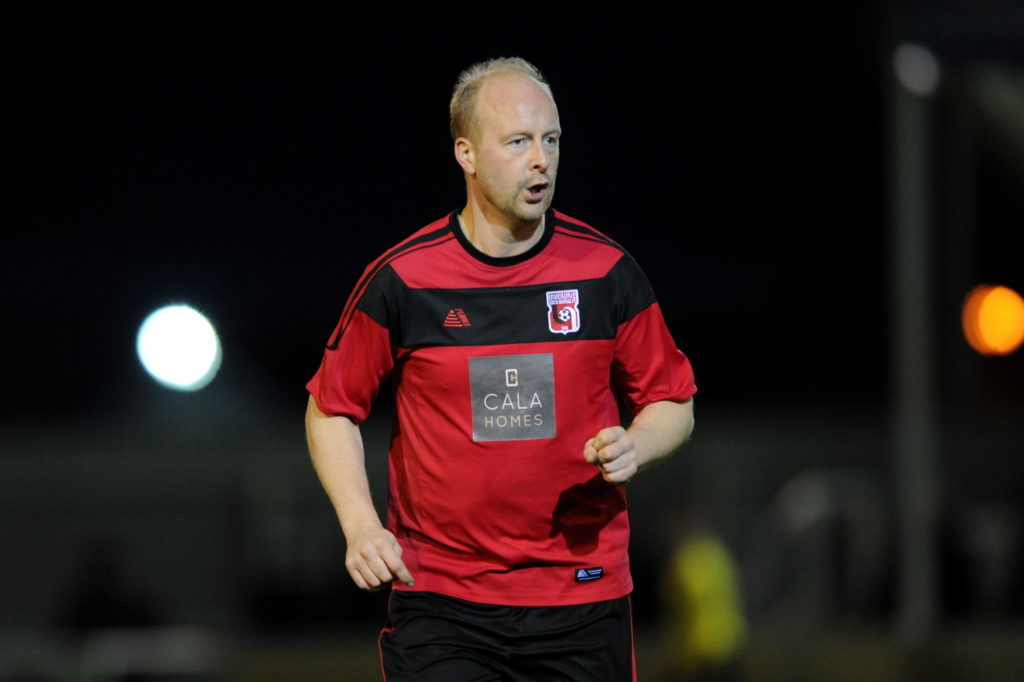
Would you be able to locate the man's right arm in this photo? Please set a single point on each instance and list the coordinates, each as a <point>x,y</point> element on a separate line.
<point>373,556</point>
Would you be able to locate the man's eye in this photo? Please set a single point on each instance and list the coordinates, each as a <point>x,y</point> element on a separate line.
<point>551,140</point>
<point>518,142</point>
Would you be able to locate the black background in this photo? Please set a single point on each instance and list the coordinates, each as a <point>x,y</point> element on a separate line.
<point>251,162</point>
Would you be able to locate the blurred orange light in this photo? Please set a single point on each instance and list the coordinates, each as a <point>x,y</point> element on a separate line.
<point>993,320</point>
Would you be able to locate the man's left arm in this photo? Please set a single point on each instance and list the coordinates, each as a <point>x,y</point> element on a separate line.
<point>657,430</point>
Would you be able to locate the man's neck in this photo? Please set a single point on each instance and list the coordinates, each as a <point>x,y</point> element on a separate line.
<point>497,238</point>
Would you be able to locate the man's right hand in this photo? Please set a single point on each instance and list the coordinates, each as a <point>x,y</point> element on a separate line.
<point>374,558</point>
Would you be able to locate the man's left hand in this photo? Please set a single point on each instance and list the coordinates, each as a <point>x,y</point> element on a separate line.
<point>614,452</point>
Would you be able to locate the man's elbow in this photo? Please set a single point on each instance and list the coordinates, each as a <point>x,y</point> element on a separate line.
<point>687,420</point>
<point>682,420</point>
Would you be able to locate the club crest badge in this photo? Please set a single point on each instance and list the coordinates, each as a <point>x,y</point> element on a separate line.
<point>564,311</point>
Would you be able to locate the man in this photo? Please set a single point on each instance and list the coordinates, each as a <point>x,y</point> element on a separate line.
<point>512,332</point>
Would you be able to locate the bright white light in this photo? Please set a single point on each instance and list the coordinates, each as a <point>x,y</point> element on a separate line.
<point>916,68</point>
<point>179,348</point>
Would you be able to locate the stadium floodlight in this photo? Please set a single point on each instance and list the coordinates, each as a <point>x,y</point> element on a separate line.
<point>179,348</point>
<point>993,319</point>
<point>917,68</point>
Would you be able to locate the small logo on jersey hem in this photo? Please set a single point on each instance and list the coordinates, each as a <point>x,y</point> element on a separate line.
<point>563,311</point>
<point>456,318</point>
<point>584,575</point>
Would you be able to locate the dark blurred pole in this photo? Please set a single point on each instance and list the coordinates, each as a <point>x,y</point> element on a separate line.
<point>913,346</point>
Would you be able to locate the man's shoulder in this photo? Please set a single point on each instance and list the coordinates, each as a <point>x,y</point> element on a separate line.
<point>573,233</point>
<point>432,234</point>
<point>438,230</point>
<point>561,217</point>
<point>575,227</point>
<point>435,228</point>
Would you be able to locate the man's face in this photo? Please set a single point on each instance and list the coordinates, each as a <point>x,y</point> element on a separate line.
<point>517,150</point>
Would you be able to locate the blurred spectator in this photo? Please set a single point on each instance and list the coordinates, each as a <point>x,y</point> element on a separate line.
<point>706,626</point>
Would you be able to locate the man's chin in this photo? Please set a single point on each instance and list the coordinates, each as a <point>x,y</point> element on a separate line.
<point>531,212</point>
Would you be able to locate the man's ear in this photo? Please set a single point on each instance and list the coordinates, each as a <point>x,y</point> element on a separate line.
<point>465,155</point>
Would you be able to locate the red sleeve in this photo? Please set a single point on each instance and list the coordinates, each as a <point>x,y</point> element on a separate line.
<point>647,366</point>
<point>358,357</point>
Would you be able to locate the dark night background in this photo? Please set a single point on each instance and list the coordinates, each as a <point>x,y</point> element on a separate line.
<point>250,162</point>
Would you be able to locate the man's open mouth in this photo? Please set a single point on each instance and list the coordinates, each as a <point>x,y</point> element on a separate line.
<point>536,191</point>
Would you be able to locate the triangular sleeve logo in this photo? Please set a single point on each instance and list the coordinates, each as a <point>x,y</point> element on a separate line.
<point>564,311</point>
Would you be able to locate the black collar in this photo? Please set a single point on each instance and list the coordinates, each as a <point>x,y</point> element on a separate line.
<point>549,231</point>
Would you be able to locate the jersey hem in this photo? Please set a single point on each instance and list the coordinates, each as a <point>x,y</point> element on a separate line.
<point>503,598</point>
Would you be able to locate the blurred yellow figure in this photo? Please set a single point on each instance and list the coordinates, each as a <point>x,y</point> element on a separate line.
<point>707,625</point>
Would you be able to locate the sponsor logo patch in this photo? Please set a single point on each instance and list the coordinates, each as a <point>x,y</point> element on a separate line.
<point>513,397</point>
<point>563,311</point>
<point>587,574</point>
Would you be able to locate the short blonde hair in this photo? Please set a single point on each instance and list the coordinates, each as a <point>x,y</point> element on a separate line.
<point>462,109</point>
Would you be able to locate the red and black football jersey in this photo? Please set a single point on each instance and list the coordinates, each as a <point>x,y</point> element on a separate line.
<point>503,368</point>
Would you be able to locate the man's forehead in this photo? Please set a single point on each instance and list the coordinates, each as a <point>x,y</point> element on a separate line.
<point>511,95</point>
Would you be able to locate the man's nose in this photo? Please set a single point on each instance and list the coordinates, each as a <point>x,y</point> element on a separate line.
<point>541,158</point>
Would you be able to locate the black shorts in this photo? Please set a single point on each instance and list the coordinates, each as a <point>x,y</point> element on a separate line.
<point>434,637</point>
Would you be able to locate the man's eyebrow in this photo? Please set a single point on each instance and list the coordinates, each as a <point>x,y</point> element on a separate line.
<point>526,133</point>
